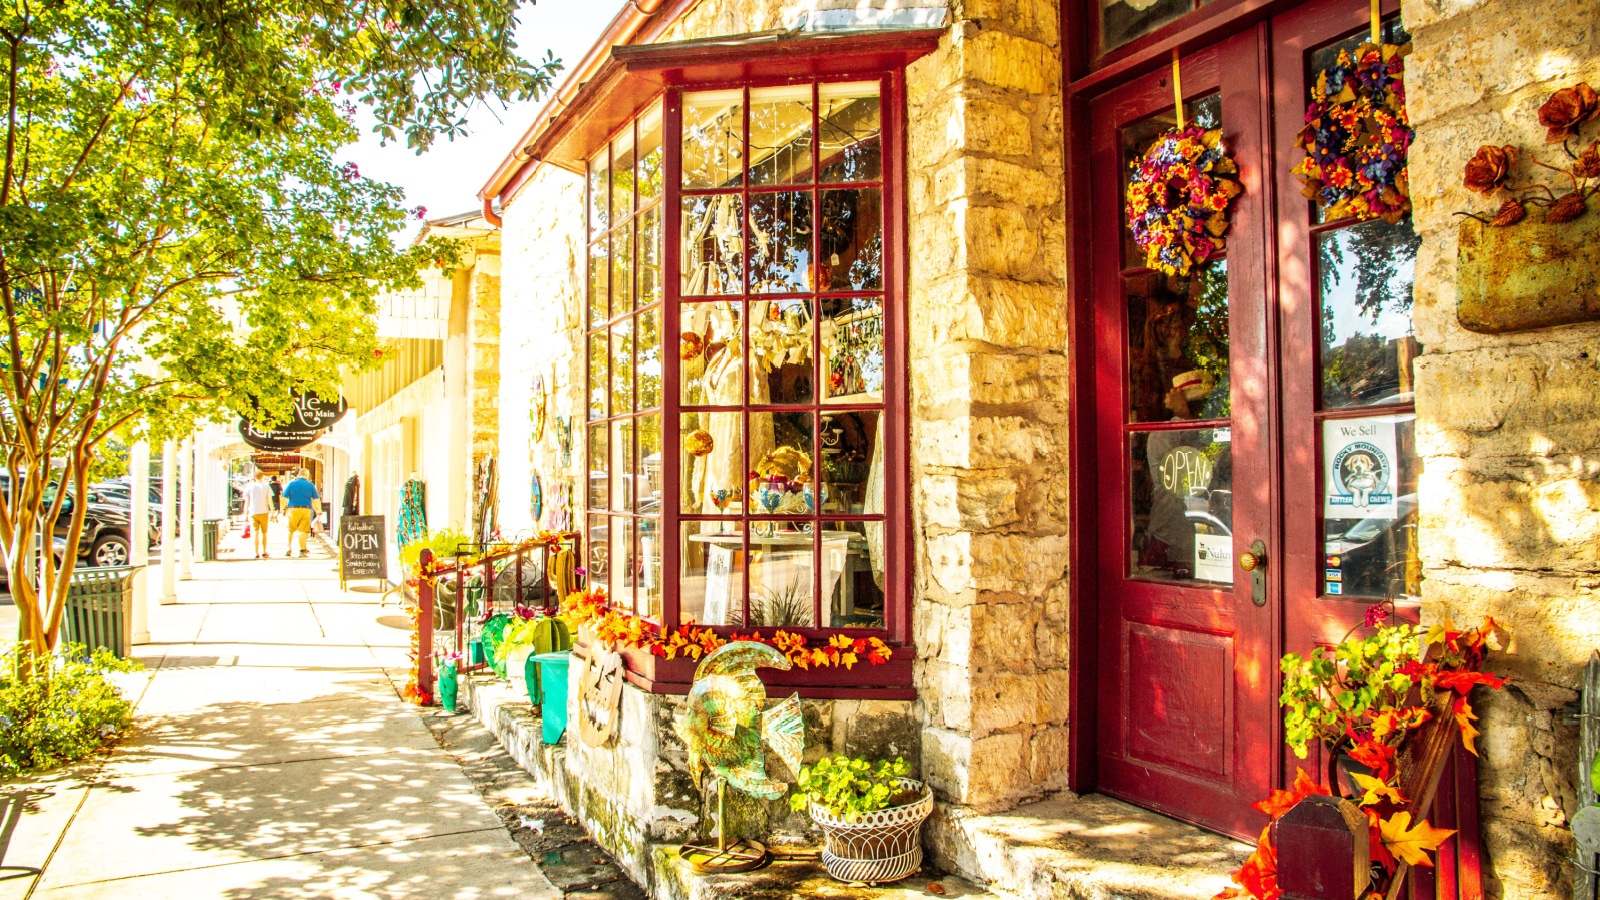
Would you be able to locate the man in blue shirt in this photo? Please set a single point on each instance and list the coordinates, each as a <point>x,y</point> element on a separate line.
<point>300,497</point>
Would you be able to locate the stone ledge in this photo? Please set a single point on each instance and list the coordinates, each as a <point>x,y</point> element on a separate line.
<point>511,719</point>
<point>1091,847</point>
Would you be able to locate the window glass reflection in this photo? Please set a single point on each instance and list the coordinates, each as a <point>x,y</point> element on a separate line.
<point>715,477</point>
<point>1136,139</point>
<point>1123,20</point>
<point>1182,493</point>
<point>851,241</point>
<point>649,256</point>
<point>599,198</point>
<point>780,135</point>
<point>1178,344</point>
<point>599,353</point>
<point>711,558</point>
<point>650,164</point>
<point>852,574</point>
<point>713,245</point>
<point>780,242</point>
<point>599,281</point>
<point>852,463</point>
<point>711,353</point>
<point>598,469</point>
<point>782,576</point>
<point>713,139</point>
<point>1366,273</point>
<point>622,160</point>
<point>780,351</point>
<point>852,350</point>
<point>850,122</point>
<point>649,359</point>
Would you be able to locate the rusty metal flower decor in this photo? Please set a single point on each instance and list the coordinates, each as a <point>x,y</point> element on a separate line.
<point>1489,172</point>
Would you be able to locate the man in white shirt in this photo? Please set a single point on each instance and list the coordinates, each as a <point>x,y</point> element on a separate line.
<point>258,505</point>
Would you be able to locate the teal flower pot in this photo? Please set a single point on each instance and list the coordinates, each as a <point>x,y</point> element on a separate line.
<point>553,668</point>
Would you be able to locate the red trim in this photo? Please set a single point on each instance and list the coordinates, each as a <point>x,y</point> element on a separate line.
<point>890,681</point>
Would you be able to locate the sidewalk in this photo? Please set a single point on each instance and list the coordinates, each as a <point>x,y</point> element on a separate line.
<point>271,758</point>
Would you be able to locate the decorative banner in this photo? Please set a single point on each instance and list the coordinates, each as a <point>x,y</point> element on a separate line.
<point>275,440</point>
<point>1358,477</point>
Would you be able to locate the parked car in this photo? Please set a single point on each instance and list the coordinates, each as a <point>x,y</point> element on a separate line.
<point>104,541</point>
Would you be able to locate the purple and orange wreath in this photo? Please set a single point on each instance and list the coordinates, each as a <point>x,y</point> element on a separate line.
<point>1357,135</point>
<point>1178,196</point>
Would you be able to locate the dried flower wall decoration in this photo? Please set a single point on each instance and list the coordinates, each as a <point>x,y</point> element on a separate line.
<point>1489,171</point>
<point>1357,135</point>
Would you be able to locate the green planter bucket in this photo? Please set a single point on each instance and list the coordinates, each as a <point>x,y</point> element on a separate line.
<point>99,609</point>
<point>550,635</point>
<point>553,684</point>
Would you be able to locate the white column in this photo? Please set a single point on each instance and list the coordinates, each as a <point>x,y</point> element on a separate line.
<point>169,522</point>
<point>185,510</point>
<point>138,536</point>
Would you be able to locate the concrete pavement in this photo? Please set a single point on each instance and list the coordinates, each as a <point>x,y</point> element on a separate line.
<point>272,758</point>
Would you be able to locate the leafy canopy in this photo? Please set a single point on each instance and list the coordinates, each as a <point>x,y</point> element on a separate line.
<point>177,232</point>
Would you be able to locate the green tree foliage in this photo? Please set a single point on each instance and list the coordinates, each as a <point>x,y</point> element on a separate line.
<point>177,232</point>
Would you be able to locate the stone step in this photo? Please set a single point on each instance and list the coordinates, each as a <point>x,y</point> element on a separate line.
<point>1090,847</point>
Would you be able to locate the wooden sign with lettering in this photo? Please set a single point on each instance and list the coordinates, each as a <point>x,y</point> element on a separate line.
<point>362,553</point>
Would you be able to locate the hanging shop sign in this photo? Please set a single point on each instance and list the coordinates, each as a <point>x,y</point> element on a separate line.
<point>1359,478</point>
<point>274,440</point>
<point>311,412</point>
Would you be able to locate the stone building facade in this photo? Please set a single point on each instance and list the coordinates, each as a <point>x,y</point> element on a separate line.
<point>1005,356</point>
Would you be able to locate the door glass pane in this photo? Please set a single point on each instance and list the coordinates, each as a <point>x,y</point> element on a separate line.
<point>1136,139</point>
<point>715,476</point>
<point>1178,344</point>
<point>1123,20</point>
<point>852,574</point>
<point>780,135</point>
<point>713,245</point>
<point>780,351</point>
<point>1369,506</point>
<point>1182,495</point>
<point>711,353</point>
<point>850,121</point>
<point>782,578</point>
<point>713,139</point>
<point>1366,273</point>
<point>711,588</point>
<point>780,242</point>
<point>851,245</point>
<point>852,350</point>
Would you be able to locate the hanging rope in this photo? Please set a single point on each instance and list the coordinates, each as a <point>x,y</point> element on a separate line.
<point>1377,28</point>
<point>1177,82</point>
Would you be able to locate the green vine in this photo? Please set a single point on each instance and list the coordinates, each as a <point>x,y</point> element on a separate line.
<point>851,788</point>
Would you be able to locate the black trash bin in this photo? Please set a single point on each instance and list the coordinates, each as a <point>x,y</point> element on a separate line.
<point>99,610</point>
<point>208,539</point>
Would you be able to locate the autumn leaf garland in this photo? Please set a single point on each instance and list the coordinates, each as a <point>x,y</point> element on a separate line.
<point>590,608</point>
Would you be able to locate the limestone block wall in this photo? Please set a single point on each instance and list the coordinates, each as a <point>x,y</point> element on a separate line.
<point>1509,426</point>
<point>989,387</point>
<point>483,359</point>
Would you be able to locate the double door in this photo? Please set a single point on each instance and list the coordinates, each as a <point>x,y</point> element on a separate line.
<point>1254,449</point>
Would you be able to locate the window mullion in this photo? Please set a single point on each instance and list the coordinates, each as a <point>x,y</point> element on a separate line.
<point>671,368</point>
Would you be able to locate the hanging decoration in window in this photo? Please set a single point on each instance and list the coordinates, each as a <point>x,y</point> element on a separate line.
<point>1179,192</point>
<point>1357,134</point>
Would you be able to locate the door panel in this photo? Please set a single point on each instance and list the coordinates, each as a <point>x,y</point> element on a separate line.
<point>1185,713</point>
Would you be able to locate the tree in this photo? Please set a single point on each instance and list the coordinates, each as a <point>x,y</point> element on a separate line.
<point>177,236</point>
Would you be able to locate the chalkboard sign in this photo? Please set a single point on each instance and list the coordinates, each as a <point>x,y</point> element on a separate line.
<point>362,553</point>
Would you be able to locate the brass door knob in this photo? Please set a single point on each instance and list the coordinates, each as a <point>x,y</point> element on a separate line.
<point>1249,561</point>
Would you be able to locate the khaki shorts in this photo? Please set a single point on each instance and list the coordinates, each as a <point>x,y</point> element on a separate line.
<point>299,520</point>
<point>261,520</point>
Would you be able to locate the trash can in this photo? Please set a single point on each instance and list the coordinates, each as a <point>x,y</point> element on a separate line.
<point>553,684</point>
<point>208,539</point>
<point>99,609</point>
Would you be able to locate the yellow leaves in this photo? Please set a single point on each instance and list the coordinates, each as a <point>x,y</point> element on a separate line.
<point>1465,718</point>
<point>1376,789</point>
<point>1411,843</point>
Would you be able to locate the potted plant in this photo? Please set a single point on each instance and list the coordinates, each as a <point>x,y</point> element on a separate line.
<point>871,814</point>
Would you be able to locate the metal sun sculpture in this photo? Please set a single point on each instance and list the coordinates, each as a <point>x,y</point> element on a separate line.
<point>726,728</point>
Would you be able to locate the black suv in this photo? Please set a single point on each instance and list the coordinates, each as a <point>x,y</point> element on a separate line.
<point>105,530</point>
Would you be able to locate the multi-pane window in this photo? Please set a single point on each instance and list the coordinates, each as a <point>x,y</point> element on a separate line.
<point>625,194</point>
<point>778,418</point>
<point>781,342</point>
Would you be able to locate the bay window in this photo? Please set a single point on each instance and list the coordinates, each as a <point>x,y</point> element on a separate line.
<point>745,364</point>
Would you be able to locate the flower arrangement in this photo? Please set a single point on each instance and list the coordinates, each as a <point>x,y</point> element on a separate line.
<point>1178,198</point>
<point>1365,697</point>
<point>619,629</point>
<point>1489,171</point>
<point>415,691</point>
<point>1357,135</point>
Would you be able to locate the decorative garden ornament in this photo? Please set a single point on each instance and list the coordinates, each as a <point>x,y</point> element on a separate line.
<point>726,727</point>
<point>599,697</point>
<point>536,498</point>
<point>536,408</point>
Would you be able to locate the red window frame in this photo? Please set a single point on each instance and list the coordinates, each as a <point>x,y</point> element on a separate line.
<point>892,680</point>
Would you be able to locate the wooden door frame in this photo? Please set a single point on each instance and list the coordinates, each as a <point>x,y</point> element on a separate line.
<point>1082,86</point>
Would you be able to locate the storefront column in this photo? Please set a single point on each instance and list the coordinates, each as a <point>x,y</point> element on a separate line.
<point>185,509</point>
<point>169,522</point>
<point>139,538</point>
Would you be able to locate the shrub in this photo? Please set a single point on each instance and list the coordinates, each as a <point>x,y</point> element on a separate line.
<point>443,543</point>
<point>59,708</point>
<point>850,788</point>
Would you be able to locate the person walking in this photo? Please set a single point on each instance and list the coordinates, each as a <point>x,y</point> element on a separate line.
<point>258,506</point>
<point>277,494</point>
<point>300,498</point>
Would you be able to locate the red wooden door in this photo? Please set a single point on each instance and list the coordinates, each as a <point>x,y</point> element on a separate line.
<point>1184,448</point>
